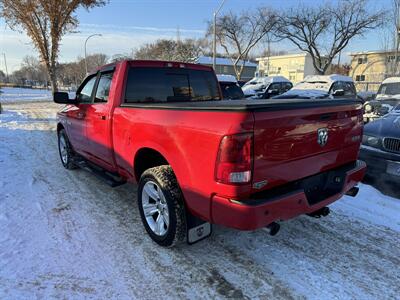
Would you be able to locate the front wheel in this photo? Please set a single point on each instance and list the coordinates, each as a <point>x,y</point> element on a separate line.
<point>161,206</point>
<point>65,150</point>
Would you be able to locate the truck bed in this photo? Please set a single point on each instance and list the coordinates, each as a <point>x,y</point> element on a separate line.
<point>246,104</point>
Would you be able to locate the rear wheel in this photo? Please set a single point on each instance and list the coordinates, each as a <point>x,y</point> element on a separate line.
<point>65,150</point>
<point>161,206</point>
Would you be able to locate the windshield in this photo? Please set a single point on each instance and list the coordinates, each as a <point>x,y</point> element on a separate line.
<point>390,88</point>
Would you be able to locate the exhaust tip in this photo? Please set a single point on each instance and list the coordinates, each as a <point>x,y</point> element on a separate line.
<point>322,212</point>
<point>273,228</point>
<point>353,191</point>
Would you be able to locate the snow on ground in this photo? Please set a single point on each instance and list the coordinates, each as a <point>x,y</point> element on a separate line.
<point>65,234</point>
<point>9,94</point>
<point>374,207</point>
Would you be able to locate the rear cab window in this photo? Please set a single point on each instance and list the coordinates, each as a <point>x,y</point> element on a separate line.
<point>163,84</point>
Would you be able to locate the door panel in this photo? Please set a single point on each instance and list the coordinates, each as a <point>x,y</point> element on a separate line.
<point>77,115</point>
<point>98,122</point>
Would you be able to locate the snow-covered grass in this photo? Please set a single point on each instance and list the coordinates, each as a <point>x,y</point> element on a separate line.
<point>9,94</point>
<point>67,235</point>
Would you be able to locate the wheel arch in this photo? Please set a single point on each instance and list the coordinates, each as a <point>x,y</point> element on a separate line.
<point>146,158</point>
<point>59,127</point>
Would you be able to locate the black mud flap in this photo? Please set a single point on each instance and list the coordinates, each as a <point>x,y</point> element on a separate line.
<point>197,229</point>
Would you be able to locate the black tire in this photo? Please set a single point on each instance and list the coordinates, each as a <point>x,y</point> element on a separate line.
<point>67,162</point>
<point>165,179</point>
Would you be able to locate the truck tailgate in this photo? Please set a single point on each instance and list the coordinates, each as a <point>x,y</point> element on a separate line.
<point>290,144</point>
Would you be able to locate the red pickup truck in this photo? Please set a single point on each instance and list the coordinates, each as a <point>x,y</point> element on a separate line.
<point>201,160</point>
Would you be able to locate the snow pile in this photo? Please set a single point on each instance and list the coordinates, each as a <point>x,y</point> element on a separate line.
<point>320,82</point>
<point>391,80</point>
<point>306,93</point>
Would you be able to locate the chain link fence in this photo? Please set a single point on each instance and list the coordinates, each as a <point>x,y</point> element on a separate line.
<point>365,86</point>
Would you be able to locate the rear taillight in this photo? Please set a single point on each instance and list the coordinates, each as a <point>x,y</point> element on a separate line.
<point>235,159</point>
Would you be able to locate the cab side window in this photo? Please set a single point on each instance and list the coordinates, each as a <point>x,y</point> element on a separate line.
<point>274,87</point>
<point>336,86</point>
<point>103,88</point>
<point>85,94</point>
<point>286,86</point>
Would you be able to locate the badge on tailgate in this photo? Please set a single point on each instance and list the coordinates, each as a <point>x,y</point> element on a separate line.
<point>322,138</point>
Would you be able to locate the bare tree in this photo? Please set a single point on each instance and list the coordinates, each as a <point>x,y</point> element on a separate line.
<point>2,76</point>
<point>94,61</point>
<point>45,22</point>
<point>390,42</point>
<point>324,31</point>
<point>188,50</point>
<point>72,74</point>
<point>238,34</point>
<point>120,56</point>
<point>35,70</point>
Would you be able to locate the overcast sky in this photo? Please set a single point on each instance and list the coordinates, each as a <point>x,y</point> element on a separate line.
<point>125,25</point>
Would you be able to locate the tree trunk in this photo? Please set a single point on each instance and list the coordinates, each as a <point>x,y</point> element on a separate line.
<point>53,79</point>
<point>238,71</point>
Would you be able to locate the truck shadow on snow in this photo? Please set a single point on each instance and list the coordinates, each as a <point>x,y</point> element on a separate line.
<point>385,186</point>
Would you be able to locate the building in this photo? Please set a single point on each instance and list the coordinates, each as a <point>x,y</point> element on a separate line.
<point>369,69</point>
<point>225,66</point>
<point>294,67</point>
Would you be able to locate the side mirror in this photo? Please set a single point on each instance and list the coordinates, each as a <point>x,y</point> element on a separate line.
<point>338,93</point>
<point>63,98</point>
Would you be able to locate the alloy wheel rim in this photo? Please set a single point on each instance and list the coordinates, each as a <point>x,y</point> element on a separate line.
<point>155,208</point>
<point>63,149</point>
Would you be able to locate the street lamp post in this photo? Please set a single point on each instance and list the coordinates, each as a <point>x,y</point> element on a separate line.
<point>96,34</point>
<point>5,63</point>
<point>215,33</point>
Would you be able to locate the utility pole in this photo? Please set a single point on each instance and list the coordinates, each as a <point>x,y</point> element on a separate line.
<point>5,63</point>
<point>215,34</point>
<point>396,63</point>
<point>178,35</point>
<point>269,54</point>
<point>96,34</point>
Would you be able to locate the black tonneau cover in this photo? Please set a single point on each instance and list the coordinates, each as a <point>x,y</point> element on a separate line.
<point>245,104</point>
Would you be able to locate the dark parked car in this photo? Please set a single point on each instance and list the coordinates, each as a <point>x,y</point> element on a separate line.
<point>266,87</point>
<point>386,99</point>
<point>230,87</point>
<point>274,89</point>
<point>380,147</point>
